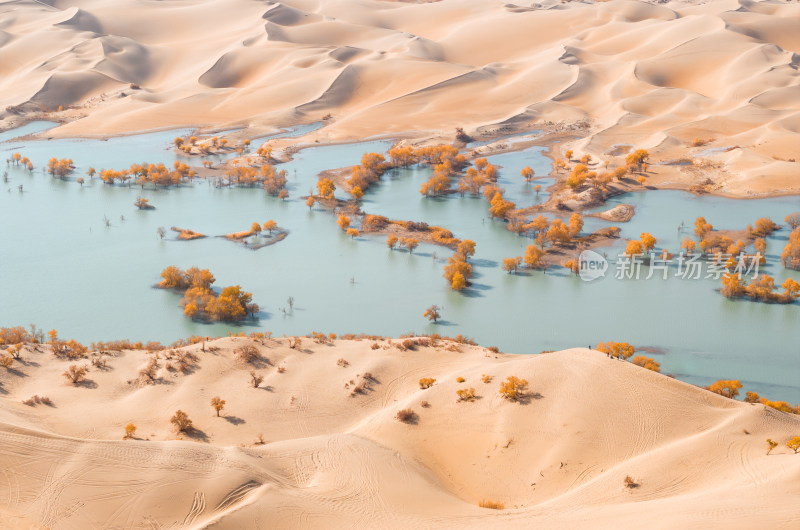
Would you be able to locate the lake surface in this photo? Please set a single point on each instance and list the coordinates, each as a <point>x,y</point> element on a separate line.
<point>62,268</point>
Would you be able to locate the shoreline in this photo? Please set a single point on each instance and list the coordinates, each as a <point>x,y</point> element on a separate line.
<point>551,140</point>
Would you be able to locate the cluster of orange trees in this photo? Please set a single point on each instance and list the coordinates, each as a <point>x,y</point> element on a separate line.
<point>582,175</point>
<point>761,288</point>
<point>556,232</point>
<point>791,252</point>
<point>60,168</point>
<point>730,389</point>
<point>141,174</point>
<point>273,181</point>
<point>475,178</point>
<point>409,242</point>
<point>19,160</point>
<point>644,245</point>
<point>199,301</point>
<point>458,269</point>
<point>373,165</point>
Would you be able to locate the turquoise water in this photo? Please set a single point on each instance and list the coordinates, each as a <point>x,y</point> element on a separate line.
<point>62,268</point>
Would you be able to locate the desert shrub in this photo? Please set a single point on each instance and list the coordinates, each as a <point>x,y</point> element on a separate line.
<point>255,379</point>
<point>181,421</point>
<point>751,397</point>
<point>75,374</point>
<point>494,505</point>
<point>771,444</point>
<point>130,430</point>
<point>424,404</point>
<point>513,388</point>
<point>410,344</point>
<point>493,349</point>
<point>466,394</point>
<point>406,415</point>
<point>320,338</point>
<point>486,378</point>
<point>281,369</point>
<point>630,482</point>
<point>36,400</point>
<point>460,379</point>
<point>246,353</point>
<point>375,346</point>
<point>295,342</point>
<point>149,373</point>
<point>426,382</point>
<point>6,361</point>
<point>794,444</point>
<point>342,362</point>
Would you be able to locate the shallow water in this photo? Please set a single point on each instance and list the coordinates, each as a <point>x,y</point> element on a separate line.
<point>62,268</point>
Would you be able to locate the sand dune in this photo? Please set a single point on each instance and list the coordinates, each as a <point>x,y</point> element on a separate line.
<point>645,74</point>
<point>329,459</point>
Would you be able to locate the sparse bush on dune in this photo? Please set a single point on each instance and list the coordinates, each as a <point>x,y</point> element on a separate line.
<point>460,379</point>
<point>494,505</point>
<point>36,400</point>
<point>513,388</point>
<point>6,361</point>
<point>246,353</point>
<point>630,482</point>
<point>406,416</point>
<point>794,444</point>
<point>75,374</point>
<point>466,394</point>
<point>426,382</point>
<point>255,379</point>
<point>771,444</point>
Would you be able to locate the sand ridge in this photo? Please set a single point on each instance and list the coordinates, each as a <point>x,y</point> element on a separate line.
<point>652,75</point>
<point>334,460</point>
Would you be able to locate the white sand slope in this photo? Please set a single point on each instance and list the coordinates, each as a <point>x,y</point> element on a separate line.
<point>556,460</point>
<point>651,75</point>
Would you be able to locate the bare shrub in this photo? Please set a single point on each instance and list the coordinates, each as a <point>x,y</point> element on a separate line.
<point>406,416</point>
<point>410,344</point>
<point>255,379</point>
<point>281,369</point>
<point>342,362</point>
<point>149,373</point>
<point>630,482</point>
<point>246,353</point>
<point>424,404</point>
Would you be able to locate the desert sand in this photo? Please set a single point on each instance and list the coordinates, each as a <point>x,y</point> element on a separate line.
<point>619,74</point>
<point>556,459</point>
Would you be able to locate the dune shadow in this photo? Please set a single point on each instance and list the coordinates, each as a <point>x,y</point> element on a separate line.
<point>86,383</point>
